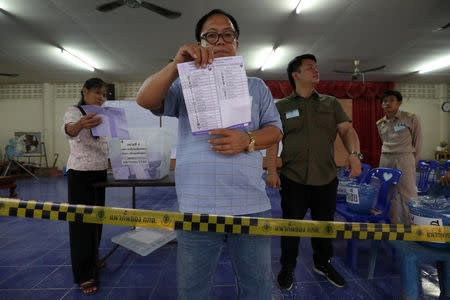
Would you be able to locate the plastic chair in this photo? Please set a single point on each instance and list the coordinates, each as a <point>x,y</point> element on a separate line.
<point>410,255</point>
<point>425,169</point>
<point>388,179</point>
<point>365,168</point>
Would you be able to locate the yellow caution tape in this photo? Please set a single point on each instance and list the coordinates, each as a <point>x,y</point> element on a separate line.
<point>223,224</point>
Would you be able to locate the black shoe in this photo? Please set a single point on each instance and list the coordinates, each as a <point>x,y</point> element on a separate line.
<point>330,273</point>
<point>286,278</point>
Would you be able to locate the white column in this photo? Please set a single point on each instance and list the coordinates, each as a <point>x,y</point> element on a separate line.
<point>48,113</point>
<point>442,95</point>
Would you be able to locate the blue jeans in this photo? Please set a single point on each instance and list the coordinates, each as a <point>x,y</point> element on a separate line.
<point>198,255</point>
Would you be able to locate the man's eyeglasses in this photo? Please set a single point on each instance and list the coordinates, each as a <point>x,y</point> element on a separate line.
<point>213,37</point>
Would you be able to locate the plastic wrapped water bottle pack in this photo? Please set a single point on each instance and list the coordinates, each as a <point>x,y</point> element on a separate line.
<point>430,210</point>
<point>360,198</point>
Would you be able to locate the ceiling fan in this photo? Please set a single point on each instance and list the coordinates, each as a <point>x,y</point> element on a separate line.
<point>357,73</point>
<point>9,74</point>
<point>136,4</point>
<point>446,26</point>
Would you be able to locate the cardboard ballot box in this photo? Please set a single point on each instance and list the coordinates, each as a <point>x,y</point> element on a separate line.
<point>146,155</point>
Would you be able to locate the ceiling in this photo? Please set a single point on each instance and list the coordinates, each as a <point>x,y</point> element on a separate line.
<point>128,44</point>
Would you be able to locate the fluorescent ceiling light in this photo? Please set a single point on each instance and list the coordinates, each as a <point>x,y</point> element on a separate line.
<point>300,6</point>
<point>274,53</point>
<point>438,64</point>
<point>76,60</point>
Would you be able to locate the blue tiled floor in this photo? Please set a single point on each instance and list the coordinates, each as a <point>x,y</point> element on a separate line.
<point>35,258</point>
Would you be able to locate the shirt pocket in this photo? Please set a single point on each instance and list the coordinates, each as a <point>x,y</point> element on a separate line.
<point>324,123</point>
<point>293,123</point>
<point>404,132</point>
<point>324,118</point>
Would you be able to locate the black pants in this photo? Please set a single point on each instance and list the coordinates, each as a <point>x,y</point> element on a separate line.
<point>85,238</point>
<point>296,199</point>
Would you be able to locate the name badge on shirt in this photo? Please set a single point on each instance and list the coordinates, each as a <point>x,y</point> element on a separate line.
<point>399,127</point>
<point>292,114</point>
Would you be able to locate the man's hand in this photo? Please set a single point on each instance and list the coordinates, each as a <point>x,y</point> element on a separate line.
<point>191,52</point>
<point>353,162</point>
<point>273,180</point>
<point>232,142</point>
<point>154,89</point>
<point>90,121</point>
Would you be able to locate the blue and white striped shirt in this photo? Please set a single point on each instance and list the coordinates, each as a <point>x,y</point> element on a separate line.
<point>212,183</point>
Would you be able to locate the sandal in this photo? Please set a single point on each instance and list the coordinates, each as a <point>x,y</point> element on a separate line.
<point>89,287</point>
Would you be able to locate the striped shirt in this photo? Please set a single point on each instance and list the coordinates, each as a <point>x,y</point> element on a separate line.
<point>212,183</point>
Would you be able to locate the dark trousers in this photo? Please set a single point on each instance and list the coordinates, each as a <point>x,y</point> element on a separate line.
<point>296,199</point>
<point>85,238</point>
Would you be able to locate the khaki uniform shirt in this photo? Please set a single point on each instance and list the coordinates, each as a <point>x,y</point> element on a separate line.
<point>310,129</point>
<point>402,134</point>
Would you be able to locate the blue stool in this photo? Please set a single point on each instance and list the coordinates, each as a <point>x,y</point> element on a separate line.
<point>411,254</point>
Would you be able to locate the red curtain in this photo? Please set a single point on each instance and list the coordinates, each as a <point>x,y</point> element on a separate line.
<point>366,108</point>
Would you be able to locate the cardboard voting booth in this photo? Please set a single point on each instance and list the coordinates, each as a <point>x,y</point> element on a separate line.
<point>146,155</point>
<point>145,152</point>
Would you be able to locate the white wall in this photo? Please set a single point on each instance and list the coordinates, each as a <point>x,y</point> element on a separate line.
<point>21,108</point>
<point>40,107</point>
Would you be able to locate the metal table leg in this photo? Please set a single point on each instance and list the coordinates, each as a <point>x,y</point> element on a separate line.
<point>103,260</point>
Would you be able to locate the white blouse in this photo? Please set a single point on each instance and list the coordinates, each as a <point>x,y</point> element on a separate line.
<point>86,152</point>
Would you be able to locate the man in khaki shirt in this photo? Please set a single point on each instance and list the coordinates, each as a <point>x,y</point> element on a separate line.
<point>308,175</point>
<point>401,135</point>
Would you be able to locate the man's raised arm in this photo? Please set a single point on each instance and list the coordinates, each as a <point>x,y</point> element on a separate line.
<point>151,94</point>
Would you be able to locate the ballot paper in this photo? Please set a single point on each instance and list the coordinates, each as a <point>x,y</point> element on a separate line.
<point>216,96</point>
<point>114,122</point>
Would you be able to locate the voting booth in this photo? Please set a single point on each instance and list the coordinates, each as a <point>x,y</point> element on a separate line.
<point>146,155</point>
<point>144,152</point>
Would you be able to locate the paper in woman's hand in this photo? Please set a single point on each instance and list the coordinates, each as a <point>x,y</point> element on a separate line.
<point>114,122</point>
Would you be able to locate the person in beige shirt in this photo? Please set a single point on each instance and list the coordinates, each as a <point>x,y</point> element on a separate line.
<point>401,135</point>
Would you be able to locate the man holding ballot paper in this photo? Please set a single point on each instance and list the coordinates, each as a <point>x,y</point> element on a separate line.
<point>223,116</point>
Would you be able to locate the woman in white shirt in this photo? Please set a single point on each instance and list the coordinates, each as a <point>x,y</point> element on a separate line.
<point>87,164</point>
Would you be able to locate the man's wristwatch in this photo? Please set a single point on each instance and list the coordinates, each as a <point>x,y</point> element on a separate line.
<point>251,145</point>
<point>360,156</point>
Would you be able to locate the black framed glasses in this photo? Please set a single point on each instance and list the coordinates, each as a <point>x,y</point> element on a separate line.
<point>213,37</point>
